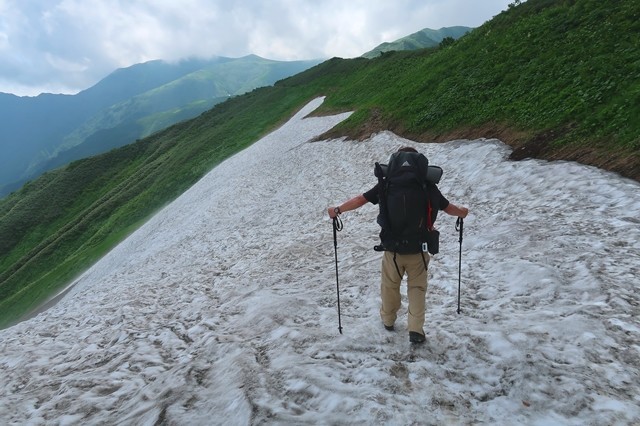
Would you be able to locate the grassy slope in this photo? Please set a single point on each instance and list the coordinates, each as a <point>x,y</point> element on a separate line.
<point>557,73</point>
<point>64,221</point>
<point>572,69</point>
<point>101,125</point>
<point>418,40</point>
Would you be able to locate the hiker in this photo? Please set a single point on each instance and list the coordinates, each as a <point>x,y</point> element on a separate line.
<point>412,260</point>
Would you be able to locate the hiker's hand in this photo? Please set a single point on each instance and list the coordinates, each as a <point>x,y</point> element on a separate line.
<point>454,210</point>
<point>332,212</point>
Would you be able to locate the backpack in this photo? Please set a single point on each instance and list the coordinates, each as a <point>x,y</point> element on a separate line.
<point>406,217</point>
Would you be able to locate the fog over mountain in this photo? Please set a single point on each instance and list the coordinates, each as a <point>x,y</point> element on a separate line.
<point>48,131</point>
<point>65,46</point>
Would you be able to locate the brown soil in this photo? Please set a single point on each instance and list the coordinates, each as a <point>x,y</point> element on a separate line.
<point>625,162</point>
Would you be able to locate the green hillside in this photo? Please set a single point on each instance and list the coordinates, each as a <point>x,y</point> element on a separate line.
<point>556,79</point>
<point>187,96</point>
<point>45,132</point>
<point>419,40</point>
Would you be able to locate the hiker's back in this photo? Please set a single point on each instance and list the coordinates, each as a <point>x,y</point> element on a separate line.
<point>405,216</point>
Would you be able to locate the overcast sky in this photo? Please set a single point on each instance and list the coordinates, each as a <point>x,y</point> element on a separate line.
<point>64,46</point>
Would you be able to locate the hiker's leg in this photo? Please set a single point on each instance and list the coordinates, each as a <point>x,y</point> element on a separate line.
<point>390,289</point>
<point>416,289</point>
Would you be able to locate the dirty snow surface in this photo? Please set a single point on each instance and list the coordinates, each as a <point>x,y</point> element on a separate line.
<point>222,309</point>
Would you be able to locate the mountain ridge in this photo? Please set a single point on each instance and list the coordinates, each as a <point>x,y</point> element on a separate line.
<point>422,39</point>
<point>40,129</point>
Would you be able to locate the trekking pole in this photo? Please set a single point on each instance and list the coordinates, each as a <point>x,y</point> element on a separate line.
<point>337,226</point>
<point>459,226</point>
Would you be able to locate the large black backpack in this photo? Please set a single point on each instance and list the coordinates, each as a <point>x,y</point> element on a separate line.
<point>406,216</point>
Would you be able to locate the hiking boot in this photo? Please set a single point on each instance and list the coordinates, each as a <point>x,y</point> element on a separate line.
<point>415,337</point>
<point>389,327</point>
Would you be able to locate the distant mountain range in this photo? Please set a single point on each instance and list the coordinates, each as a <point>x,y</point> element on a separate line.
<point>419,40</point>
<point>41,133</point>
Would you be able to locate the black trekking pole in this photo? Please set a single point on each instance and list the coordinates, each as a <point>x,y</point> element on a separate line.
<point>337,226</point>
<point>459,226</point>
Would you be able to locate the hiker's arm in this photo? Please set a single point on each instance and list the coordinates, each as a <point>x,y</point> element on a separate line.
<point>352,204</point>
<point>454,210</point>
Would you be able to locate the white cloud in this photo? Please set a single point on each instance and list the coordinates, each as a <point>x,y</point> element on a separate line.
<point>65,65</point>
<point>74,43</point>
<point>4,41</point>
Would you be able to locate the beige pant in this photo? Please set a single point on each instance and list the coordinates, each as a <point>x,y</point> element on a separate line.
<point>414,266</point>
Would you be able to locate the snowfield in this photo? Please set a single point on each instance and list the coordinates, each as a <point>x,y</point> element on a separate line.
<point>222,308</point>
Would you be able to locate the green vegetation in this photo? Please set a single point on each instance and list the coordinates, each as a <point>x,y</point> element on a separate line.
<point>129,104</point>
<point>57,225</point>
<point>420,40</point>
<point>572,66</point>
<point>566,68</point>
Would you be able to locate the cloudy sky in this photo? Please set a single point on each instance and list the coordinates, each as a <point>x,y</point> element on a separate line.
<point>64,46</point>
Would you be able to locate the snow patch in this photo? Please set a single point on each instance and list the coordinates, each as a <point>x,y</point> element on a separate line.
<point>222,308</point>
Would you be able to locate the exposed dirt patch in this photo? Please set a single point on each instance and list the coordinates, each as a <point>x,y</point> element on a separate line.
<point>622,161</point>
<point>375,123</point>
<point>625,162</point>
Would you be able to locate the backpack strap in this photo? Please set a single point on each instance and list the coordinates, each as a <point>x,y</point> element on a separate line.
<point>383,187</point>
<point>424,261</point>
<point>396,263</point>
